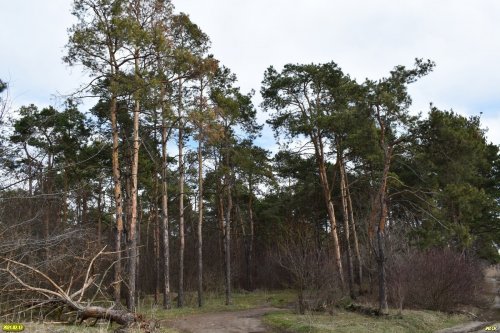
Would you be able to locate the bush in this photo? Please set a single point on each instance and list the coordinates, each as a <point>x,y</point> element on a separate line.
<point>436,280</point>
<point>311,269</point>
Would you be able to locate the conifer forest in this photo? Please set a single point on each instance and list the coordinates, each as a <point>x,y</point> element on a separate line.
<point>158,193</point>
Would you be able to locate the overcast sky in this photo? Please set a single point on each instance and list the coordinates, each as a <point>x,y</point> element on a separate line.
<point>365,38</point>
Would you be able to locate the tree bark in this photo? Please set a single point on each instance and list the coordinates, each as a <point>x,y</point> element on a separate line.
<point>220,221</point>
<point>383,306</point>
<point>227,239</point>
<point>164,209</point>
<point>118,201</point>
<point>251,240</point>
<point>345,217</point>
<point>132,232</point>
<point>180,296</point>
<point>84,206</point>
<point>118,316</point>
<point>156,250</point>
<point>320,160</point>
<point>154,208</point>
<point>246,245</point>
<point>99,213</point>
<point>378,217</point>
<point>200,222</point>
<point>357,253</point>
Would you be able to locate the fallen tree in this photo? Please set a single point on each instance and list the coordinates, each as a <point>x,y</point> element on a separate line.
<point>53,297</point>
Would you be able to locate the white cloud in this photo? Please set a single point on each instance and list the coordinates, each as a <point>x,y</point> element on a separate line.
<point>492,124</point>
<point>366,38</point>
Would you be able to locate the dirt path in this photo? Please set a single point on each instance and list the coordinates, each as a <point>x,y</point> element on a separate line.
<point>492,317</point>
<point>247,321</point>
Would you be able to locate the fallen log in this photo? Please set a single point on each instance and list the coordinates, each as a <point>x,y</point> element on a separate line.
<point>73,300</point>
<point>120,317</point>
<point>363,310</point>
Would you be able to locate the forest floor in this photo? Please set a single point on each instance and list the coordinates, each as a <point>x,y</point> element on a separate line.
<point>246,321</point>
<point>272,311</point>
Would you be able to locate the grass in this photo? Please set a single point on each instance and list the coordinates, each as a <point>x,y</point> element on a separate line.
<point>348,322</point>
<point>216,303</point>
<point>62,328</point>
<point>213,303</point>
<point>340,322</point>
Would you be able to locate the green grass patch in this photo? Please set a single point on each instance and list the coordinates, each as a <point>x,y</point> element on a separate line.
<point>410,321</point>
<point>216,303</point>
<point>63,328</point>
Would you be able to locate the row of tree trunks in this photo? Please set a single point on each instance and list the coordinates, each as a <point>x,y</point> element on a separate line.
<point>320,160</point>
<point>345,217</point>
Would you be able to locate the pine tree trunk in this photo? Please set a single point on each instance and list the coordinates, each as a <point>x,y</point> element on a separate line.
<point>99,214</point>
<point>47,210</point>
<point>246,241</point>
<point>180,296</point>
<point>227,239</point>
<point>357,253</point>
<point>251,241</point>
<point>320,160</point>
<point>164,185</point>
<point>164,217</point>
<point>156,250</point>
<point>132,233</point>
<point>332,219</point>
<point>220,221</point>
<point>378,217</point>
<point>200,224</point>
<point>156,221</point>
<point>118,202</point>
<point>345,216</point>
<point>381,260</point>
<point>84,206</point>
<point>383,307</point>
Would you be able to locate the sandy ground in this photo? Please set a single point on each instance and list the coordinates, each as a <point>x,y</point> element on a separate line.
<point>247,321</point>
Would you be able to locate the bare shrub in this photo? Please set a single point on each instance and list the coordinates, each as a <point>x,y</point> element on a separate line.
<point>436,280</point>
<point>311,269</point>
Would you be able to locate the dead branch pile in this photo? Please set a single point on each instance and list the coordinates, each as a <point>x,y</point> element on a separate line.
<point>52,296</point>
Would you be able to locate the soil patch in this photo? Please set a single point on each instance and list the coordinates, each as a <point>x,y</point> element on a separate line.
<point>247,321</point>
